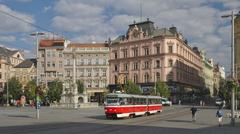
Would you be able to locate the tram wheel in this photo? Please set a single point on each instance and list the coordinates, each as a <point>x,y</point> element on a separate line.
<point>131,116</point>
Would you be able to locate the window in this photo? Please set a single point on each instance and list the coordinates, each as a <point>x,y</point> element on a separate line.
<point>48,54</point>
<point>157,49</point>
<point>0,65</point>
<point>135,66</point>
<point>115,55</point>
<point>48,63</point>
<point>170,62</point>
<point>68,73</point>
<point>104,72</point>
<point>89,61</point>
<point>60,53</point>
<point>125,55</point>
<point>170,49</point>
<point>115,79</point>
<point>135,78</point>
<point>146,51</point>
<point>104,62</point>
<point>115,67</point>
<point>157,63</point>
<point>0,75</point>
<point>158,76</point>
<point>146,78</point>
<point>53,64</point>
<point>135,52</point>
<point>146,65</point>
<point>97,61</point>
<point>68,62</point>
<point>42,54</point>
<point>89,73</point>
<point>125,67</point>
<point>89,84</point>
<point>82,62</point>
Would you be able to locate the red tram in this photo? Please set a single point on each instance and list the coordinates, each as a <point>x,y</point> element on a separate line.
<point>128,105</point>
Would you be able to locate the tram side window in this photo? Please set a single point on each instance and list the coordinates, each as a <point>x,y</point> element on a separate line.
<point>130,101</point>
<point>123,101</point>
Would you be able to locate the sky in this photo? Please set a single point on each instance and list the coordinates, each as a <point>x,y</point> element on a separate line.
<point>96,20</point>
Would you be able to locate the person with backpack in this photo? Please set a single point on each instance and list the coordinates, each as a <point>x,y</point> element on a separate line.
<point>194,110</point>
<point>220,114</point>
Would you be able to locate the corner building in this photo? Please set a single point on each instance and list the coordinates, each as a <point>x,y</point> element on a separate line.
<point>147,54</point>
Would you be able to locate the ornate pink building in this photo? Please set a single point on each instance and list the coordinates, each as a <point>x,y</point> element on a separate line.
<point>147,54</point>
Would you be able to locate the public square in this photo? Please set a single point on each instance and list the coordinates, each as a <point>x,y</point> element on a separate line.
<point>173,120</point>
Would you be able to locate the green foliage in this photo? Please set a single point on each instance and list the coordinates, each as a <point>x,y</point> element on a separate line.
<point>14,88</point>
<point>54,91</point>
<point>162,89</point>
<point>80,86</point>
<point>30,90</point>
<point>131,88</point>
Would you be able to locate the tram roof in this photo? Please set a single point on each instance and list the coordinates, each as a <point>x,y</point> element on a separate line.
<point>132,95</point>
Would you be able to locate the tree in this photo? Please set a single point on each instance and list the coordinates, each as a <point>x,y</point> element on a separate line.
<point>14,88</point>
<point>162,89</point>
<point>54,91</point>
<point>30,90</point>
<point>131,88</point>
<point>80,86</point>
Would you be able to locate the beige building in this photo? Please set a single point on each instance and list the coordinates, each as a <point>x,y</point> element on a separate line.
<point>237,47</point>
<point>208,74</point>
<point>8,59</point>
<point>218,76</point>
<point>147,54</point>
<point>91,62</point>
<point>25,71</point>
<point>50,60</point>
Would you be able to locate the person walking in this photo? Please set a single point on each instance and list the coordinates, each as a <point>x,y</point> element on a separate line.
<point>219,115</point>
<point>194,111</point>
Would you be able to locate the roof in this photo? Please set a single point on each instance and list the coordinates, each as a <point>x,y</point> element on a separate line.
<point>27,63</point>
<point>79,45</point>
<point>51,43</point>
<point>6,52</point>
<point>146,26</point>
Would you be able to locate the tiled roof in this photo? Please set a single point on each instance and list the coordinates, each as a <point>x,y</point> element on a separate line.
<point>78,45</point>
<point>27,63</point>
<point>51,42</point>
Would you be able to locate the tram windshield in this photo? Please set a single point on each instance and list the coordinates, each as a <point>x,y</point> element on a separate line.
<point>112,101</point>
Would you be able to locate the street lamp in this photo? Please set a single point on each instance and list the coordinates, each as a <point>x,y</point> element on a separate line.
<point>36,35</point>
<point>232,15</point>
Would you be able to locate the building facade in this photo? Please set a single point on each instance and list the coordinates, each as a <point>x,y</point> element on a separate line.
<point>8,59</point>
<point>50,60</point>
<point>91,65</point>
<point>147,54</point>
<point>218,76</point>
<point>26,71</point>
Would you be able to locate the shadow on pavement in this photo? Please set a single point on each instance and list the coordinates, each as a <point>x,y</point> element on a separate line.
<point>186,121</point>
<point>98,128</point>
<point>20,116</point>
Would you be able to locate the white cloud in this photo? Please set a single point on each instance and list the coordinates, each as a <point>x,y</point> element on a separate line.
<point>10,24</point>
<point>7,38</point>
<point>47,8</point>
<point>198,20</point>
<point>24,0</point>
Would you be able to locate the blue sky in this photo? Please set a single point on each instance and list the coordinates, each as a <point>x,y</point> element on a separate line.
<point>96,20</point>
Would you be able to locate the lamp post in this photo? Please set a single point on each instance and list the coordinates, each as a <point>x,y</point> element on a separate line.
<point>36,35</point>
<point>232,15</point>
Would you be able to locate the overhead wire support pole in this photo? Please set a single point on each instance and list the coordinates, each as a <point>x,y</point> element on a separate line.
<point>232,15</point>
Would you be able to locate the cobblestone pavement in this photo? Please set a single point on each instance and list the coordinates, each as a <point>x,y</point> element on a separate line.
<point>174,120</point>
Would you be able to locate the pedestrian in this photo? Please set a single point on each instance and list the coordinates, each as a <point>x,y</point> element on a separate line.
<point>201,103</point>
<point>194,110</point>
<point>179,102</point>
<point>219,115</point>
